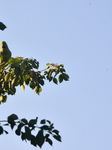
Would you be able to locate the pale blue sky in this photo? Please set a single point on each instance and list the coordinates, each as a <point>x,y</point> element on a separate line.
<point>79,35</point>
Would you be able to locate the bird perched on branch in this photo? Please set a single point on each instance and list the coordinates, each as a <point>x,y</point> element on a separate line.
<point>5,53</point>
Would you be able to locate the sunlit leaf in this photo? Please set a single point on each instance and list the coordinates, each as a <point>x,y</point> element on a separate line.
<point>23,87</point>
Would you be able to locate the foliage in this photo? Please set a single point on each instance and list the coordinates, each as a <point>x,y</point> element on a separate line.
<point>18,72</point>
<point>24,129</point>
<point>24,72</point>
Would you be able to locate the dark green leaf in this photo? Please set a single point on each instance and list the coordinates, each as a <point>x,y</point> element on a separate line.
<point>6,124</point>
<point>19,128</point>
<point>48,121</point>
<point>49,141</point>
<point>1,130</point>
<point>32,122</point>
<point>17,70</point>
<point>12,124</point>
<point>43,121</point>
<point>60,78</point>
<point>46,136</point>
<point>2,26</point>
<point>28,133</point>
<point>5,131</point>
<point>56,131</point>
<point>40,138</point>
<point>4,99</point>
<point>41,81</point>
<point>65,76</point>
<point>55,81</point>
<point>24,120</point>
<point>45,127</point>
<point>17,132</point>
<point>33,140</point>
<point>13,117</point>
<point>58,138</point>
<point>23,136</point>
<point>32,84</point>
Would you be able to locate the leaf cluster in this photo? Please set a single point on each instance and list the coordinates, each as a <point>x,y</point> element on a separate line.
<point>16,72</point>
<point>24,129</point>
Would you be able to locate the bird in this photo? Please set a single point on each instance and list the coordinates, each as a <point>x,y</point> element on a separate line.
<point>5,53</point>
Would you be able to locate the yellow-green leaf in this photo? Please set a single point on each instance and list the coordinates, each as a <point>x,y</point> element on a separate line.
<point>23,87</point>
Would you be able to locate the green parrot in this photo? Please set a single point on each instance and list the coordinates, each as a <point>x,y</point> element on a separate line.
<point>5,53</point>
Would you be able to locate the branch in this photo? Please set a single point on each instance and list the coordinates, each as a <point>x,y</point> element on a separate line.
<point>24,129</point>
<point>24,72</point>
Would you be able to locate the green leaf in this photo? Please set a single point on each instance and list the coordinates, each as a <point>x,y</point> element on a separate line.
<point>24,120</point>
<point>55,81</point>
<point>48,121</point>
<point>43,121</point>
<point>23,64</point>
<point>32,84</point>
<point>33,140</point>
<point>62,65</point>
<point>14,81</point>
<point>49,141</point>
<point>28,133</point>
<point>36,89</point>
<point>1,130</point>
<point>23,136</point>
<point>17,71</point>
<point>13,117</point>
<point>7,77</point>
<point>58,138</point>
<point>65,76</point>
<point>56,131</point>
<point>4,99</point>
<point>2,26</point>
<point>40,138</point>
<point>32,122</point>
<point>20,126</point>
<point>52,64</point>
<point>6,124</point>
<point>17,132</point>
<point>5,131</point>
<point>60,78</point>
<point>40,90</point>
<point>41,81</point>
<point>23,87</point>
<point>48,64</point>
<point>12,124</point>
<point>45,127</point>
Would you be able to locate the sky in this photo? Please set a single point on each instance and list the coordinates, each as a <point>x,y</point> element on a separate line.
<point>78,34</point>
